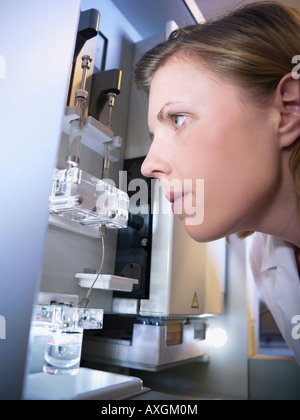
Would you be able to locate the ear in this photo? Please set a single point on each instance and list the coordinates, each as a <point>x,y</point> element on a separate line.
<point>288,102</point>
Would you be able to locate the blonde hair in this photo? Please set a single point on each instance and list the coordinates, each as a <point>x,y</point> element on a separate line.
<point>252,46</point>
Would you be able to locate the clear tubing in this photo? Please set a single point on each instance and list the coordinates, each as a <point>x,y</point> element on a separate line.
<point>106,161</point>
<point>76,130</point>
<point>111,103</point>
<point>75,139</point>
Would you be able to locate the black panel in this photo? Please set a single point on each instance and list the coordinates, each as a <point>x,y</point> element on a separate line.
<point>133,256</point>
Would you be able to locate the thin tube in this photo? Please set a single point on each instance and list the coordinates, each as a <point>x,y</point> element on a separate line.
<point>100,269</point>
<point>84,302</point>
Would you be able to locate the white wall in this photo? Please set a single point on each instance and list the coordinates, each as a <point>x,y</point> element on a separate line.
<point>36,41</point>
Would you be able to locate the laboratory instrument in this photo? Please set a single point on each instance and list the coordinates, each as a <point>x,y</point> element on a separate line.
<point>76,195</point>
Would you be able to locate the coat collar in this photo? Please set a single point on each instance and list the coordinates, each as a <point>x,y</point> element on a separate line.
<point>277,252</point>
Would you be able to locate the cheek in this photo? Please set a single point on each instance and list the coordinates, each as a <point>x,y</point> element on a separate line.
<point>228,155</point>
<point>240,171</point>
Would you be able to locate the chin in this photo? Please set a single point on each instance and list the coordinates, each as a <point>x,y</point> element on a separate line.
<point>202,233</point>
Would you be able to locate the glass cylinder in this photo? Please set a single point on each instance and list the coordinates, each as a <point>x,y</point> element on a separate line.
<point>61,328</point>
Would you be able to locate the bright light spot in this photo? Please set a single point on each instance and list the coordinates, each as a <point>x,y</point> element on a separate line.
<point>216,337</point>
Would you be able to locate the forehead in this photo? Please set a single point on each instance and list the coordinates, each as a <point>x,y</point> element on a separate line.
<point>175,76</point>
<point>181,80</point>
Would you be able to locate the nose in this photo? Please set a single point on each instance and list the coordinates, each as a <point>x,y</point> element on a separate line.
<point>156,164</point>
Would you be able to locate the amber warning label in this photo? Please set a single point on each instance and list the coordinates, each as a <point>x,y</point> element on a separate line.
<point>195,303</point>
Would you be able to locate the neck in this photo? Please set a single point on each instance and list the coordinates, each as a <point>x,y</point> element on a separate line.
<point>289,231</point>
<point>280,216</point>
<point>282,221</point>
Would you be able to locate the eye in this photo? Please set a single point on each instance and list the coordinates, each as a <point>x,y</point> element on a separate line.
<point>179,120</point>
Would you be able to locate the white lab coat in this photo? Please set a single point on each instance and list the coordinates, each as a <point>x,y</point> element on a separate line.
<point>275,272</point>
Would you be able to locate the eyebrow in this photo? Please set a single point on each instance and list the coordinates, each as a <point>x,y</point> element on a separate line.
<point>161,112</point>
<point>160,116</point>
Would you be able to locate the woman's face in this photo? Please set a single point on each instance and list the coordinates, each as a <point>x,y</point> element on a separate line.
<point>204,129</point>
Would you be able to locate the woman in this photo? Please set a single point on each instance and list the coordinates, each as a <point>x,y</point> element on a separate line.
<point>224,107</point>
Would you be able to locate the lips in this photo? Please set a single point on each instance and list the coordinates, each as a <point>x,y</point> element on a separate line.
<point>176,199</point>
<point>173,196</point>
